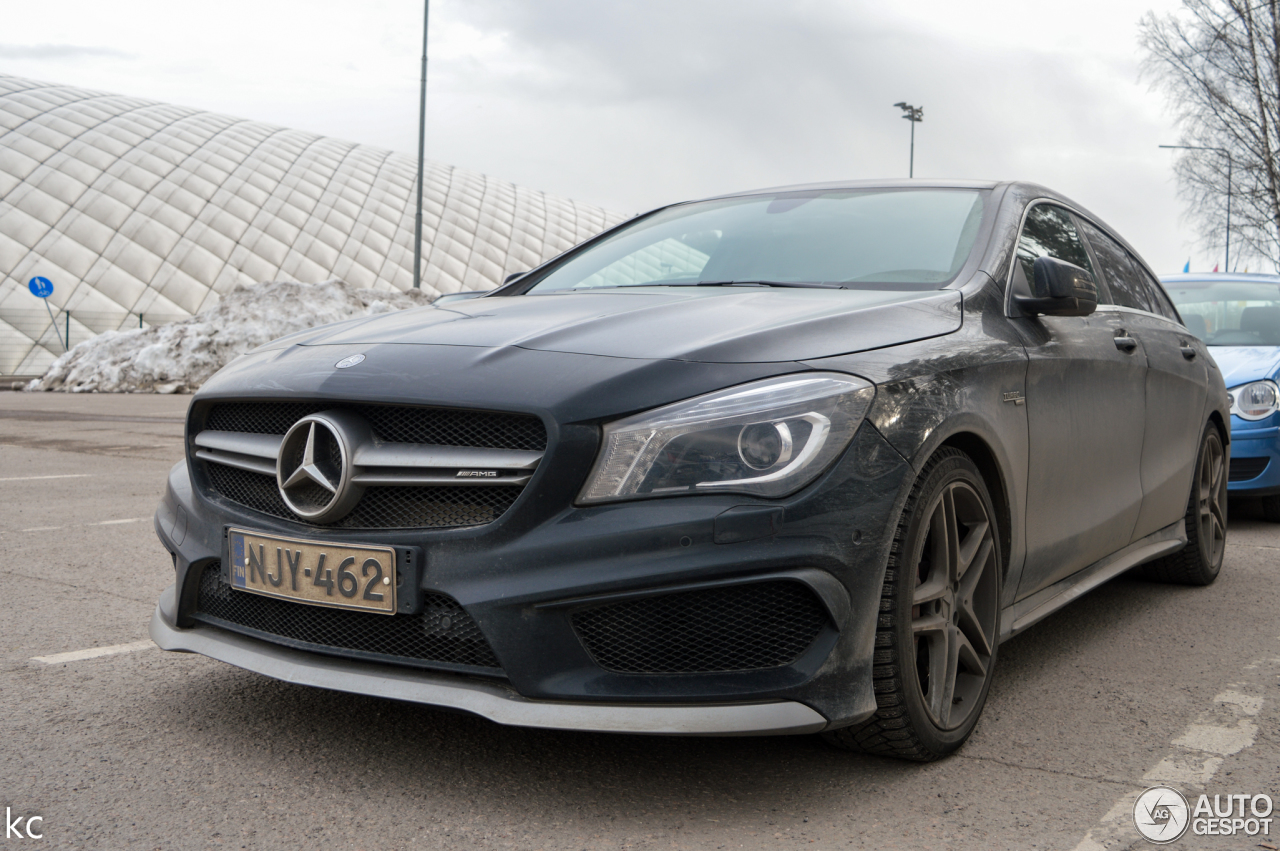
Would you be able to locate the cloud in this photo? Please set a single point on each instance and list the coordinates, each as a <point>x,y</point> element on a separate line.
<point>633,104</point>
<point>57,52</point>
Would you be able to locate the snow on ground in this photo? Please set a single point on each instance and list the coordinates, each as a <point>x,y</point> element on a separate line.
<point>180,356</point>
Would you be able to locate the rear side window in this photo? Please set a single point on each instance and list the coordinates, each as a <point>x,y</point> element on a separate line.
<point>1126,286</point>
<point>1049,232</point>
<point>1159,299</point>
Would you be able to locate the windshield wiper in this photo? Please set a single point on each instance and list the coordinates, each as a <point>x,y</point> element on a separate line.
<point>808,285</point>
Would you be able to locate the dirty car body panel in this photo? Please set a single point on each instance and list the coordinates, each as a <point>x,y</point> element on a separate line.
<point>699,610</point>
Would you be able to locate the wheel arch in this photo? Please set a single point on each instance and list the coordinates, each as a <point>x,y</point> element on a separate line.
<point>1224,431</point>
<point>984,457</point>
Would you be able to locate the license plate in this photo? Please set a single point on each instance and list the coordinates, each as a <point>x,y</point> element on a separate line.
<point>340,576</point>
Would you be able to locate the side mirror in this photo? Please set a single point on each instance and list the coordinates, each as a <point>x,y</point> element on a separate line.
<point>1061,289</point>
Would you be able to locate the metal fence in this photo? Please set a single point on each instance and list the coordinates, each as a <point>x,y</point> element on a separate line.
<point>41,336</point>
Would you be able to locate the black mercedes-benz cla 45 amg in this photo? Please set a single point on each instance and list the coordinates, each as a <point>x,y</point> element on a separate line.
<point>788,461</point>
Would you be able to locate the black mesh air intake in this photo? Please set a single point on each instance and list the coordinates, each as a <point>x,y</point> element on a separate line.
<point>1244,469</point>
<point>434,507</point>
<point>735,628</point>
<point>443,636</point>
<point>391,423</point>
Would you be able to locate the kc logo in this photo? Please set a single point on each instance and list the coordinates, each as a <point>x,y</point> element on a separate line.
<point>13,826</point>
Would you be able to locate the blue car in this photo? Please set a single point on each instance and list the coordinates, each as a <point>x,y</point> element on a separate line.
<point>1238,316</point>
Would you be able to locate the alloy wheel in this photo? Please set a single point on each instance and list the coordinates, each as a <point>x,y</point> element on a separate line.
<point>1211,484</point>
<point>954,607</point>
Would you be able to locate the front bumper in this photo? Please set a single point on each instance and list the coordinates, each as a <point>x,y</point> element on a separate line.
<point>490,700</point>
<point>1255,459</point>
<point>522,578</point>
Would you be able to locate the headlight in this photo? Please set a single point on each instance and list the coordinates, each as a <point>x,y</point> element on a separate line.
<point>1254,401</point>
<point>768,438</point>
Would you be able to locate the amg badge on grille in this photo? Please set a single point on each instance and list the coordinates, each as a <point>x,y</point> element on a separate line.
<point>477,474</point>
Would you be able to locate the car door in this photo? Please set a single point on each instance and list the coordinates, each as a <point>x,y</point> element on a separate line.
<point>1176,380</point>
<point>1084,397</point>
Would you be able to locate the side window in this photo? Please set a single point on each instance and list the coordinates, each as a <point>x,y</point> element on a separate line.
<point>1159,299</point>
<point>1048,232</point>
<point>1125,285</point>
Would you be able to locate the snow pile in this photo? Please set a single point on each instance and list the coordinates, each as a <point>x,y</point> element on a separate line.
<point>180,356</point>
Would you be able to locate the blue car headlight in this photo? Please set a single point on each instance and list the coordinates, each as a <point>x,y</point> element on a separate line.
<point>767,438</point>
<point>1255,400</point>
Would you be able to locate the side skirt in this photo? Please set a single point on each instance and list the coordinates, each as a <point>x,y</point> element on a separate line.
<point>1046,601</point>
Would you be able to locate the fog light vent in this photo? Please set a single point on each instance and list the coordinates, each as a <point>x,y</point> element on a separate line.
<point>734,628</point>
<point>1244,469</point>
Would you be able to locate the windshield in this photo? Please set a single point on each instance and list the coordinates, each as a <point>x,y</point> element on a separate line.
<point>864,239</point>
<point>1230,313</point>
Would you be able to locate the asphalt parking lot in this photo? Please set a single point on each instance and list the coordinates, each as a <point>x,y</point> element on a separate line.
<point>1134,684</point>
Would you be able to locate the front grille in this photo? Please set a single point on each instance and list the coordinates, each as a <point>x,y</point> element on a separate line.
<point>391,423</point>
<point>1244,469</point>
<point>735,628</point>
<point>382,507</point>
<point>432,507</point>
<point>443,636</point>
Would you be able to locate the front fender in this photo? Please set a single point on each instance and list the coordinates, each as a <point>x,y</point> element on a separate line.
<point>965,389</point>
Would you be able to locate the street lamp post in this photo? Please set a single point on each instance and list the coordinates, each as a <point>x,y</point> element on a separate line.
<point>914,114</point>
<point>1227,153</point>
<point>422,142</point>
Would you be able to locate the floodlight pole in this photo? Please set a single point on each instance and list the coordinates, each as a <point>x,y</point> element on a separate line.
<point>914,114</point>
<point>422,143</point>
<point>1227,153</point>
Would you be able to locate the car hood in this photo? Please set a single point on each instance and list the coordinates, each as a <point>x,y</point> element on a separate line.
<point>1242,364</point>
<point>689,324</point>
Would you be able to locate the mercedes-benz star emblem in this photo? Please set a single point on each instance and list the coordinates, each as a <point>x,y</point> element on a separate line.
<point>308,469</point>
<point>349,361</point>
<point>314,468</point>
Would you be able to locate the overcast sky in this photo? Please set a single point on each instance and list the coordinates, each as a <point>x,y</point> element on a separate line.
<point>633,104</point>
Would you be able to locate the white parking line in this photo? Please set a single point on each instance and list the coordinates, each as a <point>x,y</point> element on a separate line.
<point>93,653</point>
<point>1198,754</point>
<point>99,523</point>
<point>34,478</point>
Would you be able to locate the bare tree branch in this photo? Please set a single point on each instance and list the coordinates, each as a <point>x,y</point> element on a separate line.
<point>1218,63</point>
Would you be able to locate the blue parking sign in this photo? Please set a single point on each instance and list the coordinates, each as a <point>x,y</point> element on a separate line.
<point>40,287</point>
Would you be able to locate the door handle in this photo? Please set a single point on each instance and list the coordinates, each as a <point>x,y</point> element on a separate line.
<point>1188,351</point>
<point>1126,343</point>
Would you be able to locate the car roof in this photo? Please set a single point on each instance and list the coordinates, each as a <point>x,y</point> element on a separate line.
<point>1022,188</point>
<point>1223,277</point>
<point>896,183</point>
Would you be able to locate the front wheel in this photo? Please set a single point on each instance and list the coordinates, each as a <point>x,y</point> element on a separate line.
<point>1199,562</point>
<point>935,648</point>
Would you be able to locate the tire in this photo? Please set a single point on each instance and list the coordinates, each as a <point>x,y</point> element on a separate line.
<point>1270,508</point>
<point>1200,561</point>
<point>936,639</point>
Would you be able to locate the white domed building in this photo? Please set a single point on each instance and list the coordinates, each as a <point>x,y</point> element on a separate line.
<point>141,212</point>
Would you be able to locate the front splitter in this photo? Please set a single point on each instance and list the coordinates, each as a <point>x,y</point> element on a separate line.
<point>493,701</point>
